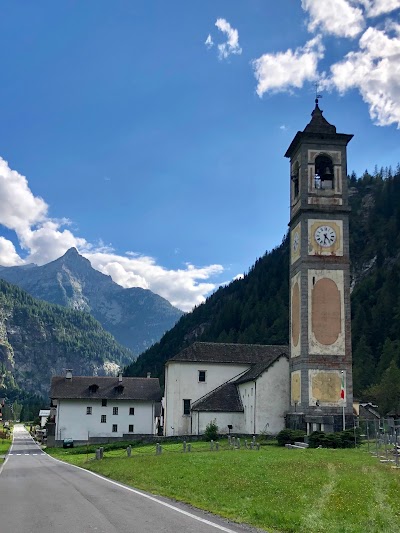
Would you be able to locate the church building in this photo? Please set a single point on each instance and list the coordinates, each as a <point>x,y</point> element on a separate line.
<point>252,389</point>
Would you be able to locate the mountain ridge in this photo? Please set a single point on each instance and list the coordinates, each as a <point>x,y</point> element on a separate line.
<point>136,317</point>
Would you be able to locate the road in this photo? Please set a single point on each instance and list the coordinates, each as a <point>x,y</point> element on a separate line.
<point>41,495</point>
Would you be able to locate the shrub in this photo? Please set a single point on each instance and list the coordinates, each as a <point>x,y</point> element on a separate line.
<point>290,436</point>
<point>211,432</point>
<point>341,439</point>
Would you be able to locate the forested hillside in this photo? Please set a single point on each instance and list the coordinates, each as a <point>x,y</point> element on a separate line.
<point>255,309</point>
<point>38,340</point>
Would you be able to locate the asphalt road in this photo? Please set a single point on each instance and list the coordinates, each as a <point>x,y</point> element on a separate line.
<point>41,495</point>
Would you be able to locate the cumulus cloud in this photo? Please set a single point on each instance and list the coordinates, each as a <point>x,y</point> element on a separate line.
<point>8,254</point>
<point>231,45</point>
<point>375,8</point>
<point>285,70</point>
<point>375,71</point>
<point>337,17</point>
<point>184,288</point>
<point>45,239</point>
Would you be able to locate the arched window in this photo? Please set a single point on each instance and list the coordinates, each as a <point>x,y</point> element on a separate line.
<point>295,180</point>
<point>324,178</point>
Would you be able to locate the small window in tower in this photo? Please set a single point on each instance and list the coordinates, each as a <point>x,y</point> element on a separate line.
<point>295,180</point>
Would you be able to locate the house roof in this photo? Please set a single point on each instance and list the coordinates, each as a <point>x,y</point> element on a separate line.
<point>225,398</point>
<point>108,388</point>
<point>214,352</point>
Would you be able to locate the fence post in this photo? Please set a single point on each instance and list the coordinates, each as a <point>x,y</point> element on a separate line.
<point>217,446</point>
<point>189,447</point>
<point>129,451</point>
<point>184,446</point>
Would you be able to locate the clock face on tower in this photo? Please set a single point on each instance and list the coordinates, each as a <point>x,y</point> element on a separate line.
<point>295,243</point>
<point>325,236</point>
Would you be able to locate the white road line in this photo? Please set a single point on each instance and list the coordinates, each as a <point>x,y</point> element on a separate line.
<point>19,453</point>
<point>152,498</point>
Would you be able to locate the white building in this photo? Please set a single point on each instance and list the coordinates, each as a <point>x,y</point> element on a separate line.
<point>245,386</point>
<point>97,408</point>
<point>44,415</point>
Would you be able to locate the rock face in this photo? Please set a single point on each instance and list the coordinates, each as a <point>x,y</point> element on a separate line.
<point>39,340</point>
<point>136,317</point>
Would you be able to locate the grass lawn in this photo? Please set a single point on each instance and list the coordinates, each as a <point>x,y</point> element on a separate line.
<point>280,490</point>
<point>4,445</point>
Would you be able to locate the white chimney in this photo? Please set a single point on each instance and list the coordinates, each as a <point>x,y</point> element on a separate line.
<point>68,373</point>
<point>148,375</point>
<point>120,376</point>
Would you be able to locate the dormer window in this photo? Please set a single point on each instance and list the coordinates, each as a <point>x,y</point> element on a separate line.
<point>324,177</point>
<point>119,389</point>
<point>93,388</point>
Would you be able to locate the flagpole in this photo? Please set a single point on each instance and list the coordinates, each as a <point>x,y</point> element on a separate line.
<point>342,394</point>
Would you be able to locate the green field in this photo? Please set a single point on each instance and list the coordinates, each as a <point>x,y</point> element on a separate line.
<point>299,491</point>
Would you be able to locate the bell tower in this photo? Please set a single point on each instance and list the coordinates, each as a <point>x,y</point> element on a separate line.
<point>321,386</point>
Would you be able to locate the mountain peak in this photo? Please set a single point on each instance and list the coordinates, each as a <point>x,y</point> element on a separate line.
<point>72,252</point>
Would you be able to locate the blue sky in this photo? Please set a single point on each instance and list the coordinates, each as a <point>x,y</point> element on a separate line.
<point>160,155</point>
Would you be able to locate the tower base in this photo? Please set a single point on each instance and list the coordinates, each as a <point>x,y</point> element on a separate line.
<point>329,423</point>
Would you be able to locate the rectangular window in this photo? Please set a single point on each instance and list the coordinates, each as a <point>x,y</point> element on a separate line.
<point>103,419</point>
<point>202,375</point>
<point>130,428</point>
<point>115,410</point>
<point>104,403</point>
<point>115,428</point>
<point>131,410</point>
<point>88,410</point>
<point>186,407</point>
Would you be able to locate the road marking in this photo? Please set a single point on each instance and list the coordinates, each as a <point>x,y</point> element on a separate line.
<point>19,453</point>
<point>152,498</point>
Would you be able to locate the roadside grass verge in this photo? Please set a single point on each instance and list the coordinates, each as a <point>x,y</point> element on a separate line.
<point>280,490</point>
<point>4,446</point>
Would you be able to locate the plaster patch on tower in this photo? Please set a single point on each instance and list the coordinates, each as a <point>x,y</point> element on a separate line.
<point>295,387</point>
<point>324,386</point>
<point>295,316</point>
<point>326,312</point>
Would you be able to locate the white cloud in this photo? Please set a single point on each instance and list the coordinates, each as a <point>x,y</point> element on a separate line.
<point>375,8</point>
<point>184,288</point>
<point>283,127</point>
<point>209,42</point>
<point>231,46</point>
<point>8,254</point>
<point>46,239</point>
<point>284,70</point>
<point>337,17</point>
<point>375,71</point>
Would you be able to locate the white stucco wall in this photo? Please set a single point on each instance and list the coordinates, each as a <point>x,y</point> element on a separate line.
<point>181,382</point>
<point>73,422</point>
<point>267,400</point>
<point>200,421</point>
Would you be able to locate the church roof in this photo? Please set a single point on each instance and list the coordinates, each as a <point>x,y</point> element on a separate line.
<point>225,398</point>
<point>256,370</point>
<point>318,123</point>
<point>318,128</point>
<point>215,352</point>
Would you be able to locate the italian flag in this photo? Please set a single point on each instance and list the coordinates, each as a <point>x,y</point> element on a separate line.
<point>342,387</point>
